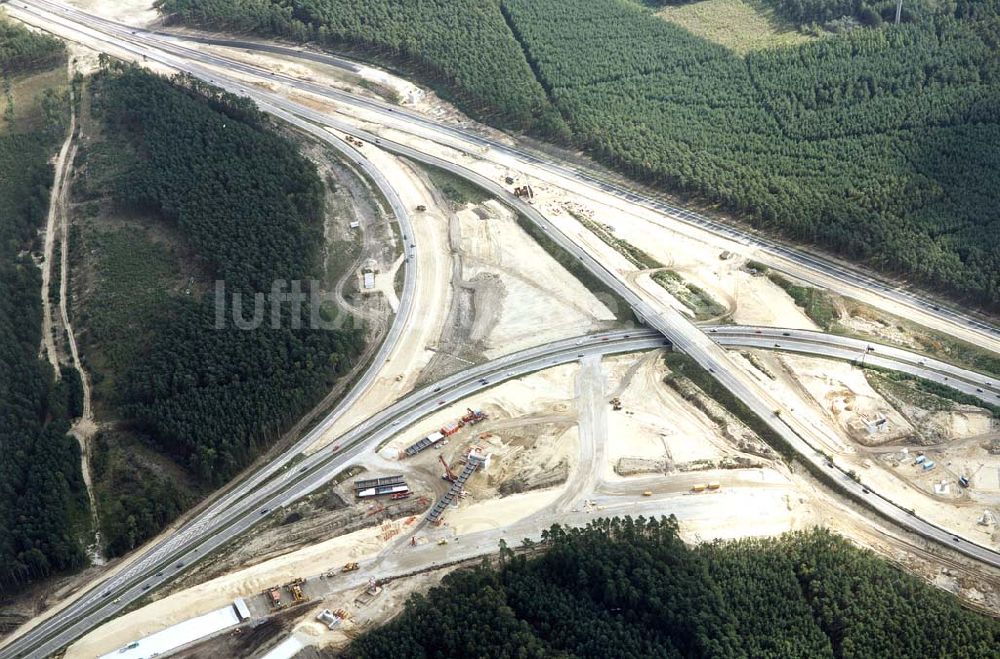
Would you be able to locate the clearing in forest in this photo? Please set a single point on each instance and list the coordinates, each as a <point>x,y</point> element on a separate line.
<point>742,26</point>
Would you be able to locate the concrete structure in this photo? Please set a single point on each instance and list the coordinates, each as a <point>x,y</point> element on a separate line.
<point>179,635</point>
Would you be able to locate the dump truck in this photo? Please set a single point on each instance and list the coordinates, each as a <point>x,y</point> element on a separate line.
<point>647,493</point>
<point>349,567</point>
<point>713,486</point>
<point>296,591</point>
<point>274,597</point>
<point>700,487</point>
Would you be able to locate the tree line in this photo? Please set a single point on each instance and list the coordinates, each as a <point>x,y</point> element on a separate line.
<point>631,588</point>
<point>875,144</point>
<point>41,488</point>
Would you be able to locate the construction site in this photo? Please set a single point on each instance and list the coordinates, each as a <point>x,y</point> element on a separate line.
<point>599,433</point>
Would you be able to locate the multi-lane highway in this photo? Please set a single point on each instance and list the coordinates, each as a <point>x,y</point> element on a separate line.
<point>155,44</point>
<point>283,484</point>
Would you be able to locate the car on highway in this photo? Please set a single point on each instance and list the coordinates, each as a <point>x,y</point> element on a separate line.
<point>264,511</point>
<point>441,402</point>
<point>777,345</point>
<point>786,334</point>
<point>145,586</point>
<point>180,565</point>
<point>159,574</point>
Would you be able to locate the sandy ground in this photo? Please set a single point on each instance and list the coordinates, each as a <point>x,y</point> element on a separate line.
<point>654,422</point>
<point>843,391</point>
<point>213,594</point>
<point>545,393</point>
<point>493,514</point>
<point>138,13</point>
<point>837,395</point>
<point>541,301</point>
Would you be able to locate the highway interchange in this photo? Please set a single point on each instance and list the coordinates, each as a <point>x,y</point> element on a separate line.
<point>278,484</point>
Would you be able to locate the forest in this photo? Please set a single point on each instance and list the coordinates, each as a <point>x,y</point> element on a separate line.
<point>209,167</point>
<point>631,588</point>
<point>877,144</point>
<point>41,488</point>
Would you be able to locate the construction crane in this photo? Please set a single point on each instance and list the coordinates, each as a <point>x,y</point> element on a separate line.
<point>449,475</point>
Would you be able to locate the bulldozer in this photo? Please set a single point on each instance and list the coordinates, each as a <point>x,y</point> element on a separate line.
<point>349,567</point>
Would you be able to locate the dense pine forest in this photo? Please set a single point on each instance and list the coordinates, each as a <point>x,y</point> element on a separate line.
<point>631,588</point>
<point>879,144</point>
<point>207,166</point>
<point>41,488</point>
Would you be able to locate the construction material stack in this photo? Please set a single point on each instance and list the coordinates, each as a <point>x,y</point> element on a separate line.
<point>470,418</point>
<point>374,487</point>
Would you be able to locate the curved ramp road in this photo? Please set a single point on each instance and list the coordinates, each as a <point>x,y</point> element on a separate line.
<point>288,485</point>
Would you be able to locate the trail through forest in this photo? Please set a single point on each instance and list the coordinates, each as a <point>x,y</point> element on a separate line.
<point>57,228</point>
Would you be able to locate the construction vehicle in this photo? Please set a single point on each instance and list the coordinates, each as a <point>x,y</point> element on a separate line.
<point>296,591</point>
<point>647,493</point>
<point>963,481</point>
<point>713,486</point>
<point>349,567</point>
<point>473,417</point>
<point>524,192</point>
<point>448,475</point>
<point>616,403</point>
<point>443,541</point>
<point>421,208</point>
<point>450,428</point>
<point>274,597</point>
<point>700,487</point>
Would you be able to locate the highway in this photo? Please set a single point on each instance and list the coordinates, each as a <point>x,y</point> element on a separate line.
<point>474,143</point>
<point>467,140</point>
<point>312,472</point>
<point>216,530</point>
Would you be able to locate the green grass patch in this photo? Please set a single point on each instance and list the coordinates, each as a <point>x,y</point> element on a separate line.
<point>925,394</point>
<point>742,26</point>
<point>701,304</point>
<point>35,103</point>
<point>636,256</point>
<point>682,365</point>
<point>457,190</point>
<point>929,342</point>
<point>817,303</point>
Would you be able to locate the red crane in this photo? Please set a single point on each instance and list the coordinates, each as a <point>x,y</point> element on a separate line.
<point>449,475</point>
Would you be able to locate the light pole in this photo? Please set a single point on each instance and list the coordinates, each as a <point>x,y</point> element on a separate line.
<point>899,10</point>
